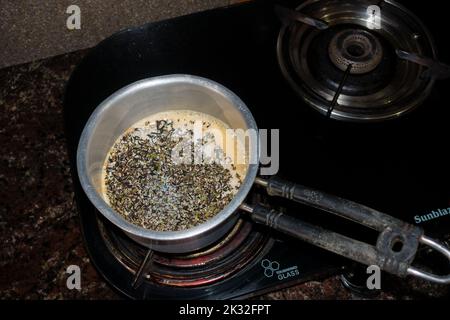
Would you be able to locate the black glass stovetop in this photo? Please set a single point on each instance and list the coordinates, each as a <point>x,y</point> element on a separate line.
<point>399,167</point>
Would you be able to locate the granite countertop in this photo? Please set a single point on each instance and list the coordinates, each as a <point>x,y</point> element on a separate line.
<point>40,232</point>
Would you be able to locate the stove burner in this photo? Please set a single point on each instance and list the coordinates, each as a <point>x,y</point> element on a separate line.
<point>349,72</point>
<point>217,262</point>
<point>355,47</point>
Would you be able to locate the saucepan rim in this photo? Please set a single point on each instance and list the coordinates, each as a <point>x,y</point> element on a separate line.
<point>113,216</point>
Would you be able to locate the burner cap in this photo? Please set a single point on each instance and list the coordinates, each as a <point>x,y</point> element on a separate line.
<point>355,47</point>
<point>379,85</point>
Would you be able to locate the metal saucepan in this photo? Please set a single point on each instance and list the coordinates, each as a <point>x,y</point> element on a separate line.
<point>180,92</point>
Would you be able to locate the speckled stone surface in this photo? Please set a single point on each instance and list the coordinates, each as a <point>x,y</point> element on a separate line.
<point>39,227</point>
<point>39,234</point>
<point>32,30</point>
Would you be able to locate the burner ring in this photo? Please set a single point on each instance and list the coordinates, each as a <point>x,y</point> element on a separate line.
<point>355,47</point>
<point>389,91</point>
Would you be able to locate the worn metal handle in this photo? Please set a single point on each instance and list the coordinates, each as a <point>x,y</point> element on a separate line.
<point>331,241</point>
<point>330,203</point>
<point>393,232</point>
<point>428,276</point>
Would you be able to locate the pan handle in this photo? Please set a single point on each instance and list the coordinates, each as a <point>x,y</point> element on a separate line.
<point>325,239</point>
<point>330,203</point>
<point>397,242</point>
<point>428,276</point>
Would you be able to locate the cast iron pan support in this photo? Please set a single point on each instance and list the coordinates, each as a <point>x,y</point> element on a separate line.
<point>397,242</point>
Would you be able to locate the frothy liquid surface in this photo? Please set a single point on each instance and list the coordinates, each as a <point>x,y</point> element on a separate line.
<point>141,180</point>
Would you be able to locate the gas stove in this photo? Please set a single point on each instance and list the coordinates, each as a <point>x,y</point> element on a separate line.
<point>247,262</point>
<point>375,132</point>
